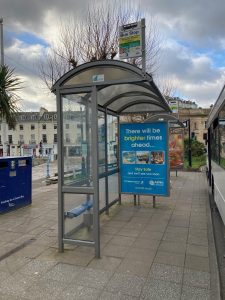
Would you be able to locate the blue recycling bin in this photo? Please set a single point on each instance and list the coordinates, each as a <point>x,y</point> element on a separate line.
<point>15,182</point>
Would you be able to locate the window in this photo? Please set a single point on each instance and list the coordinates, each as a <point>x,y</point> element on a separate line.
<point>55,126</point>
<point>67,126</point>
<point>10,139</point>
<point>195,126</point>
<point>55,138</point>
<point>222,137</point>
<point>44,138</point>
<point>32,127</point>
<point>215,143</point>
<point>0,126</point>
<point>32,139</point>
<point>0,139</point>
<point>67,138</point>
<point>10,127</point>
<point>21,127</point>
<point>43,126</point>
<point>21,138</point>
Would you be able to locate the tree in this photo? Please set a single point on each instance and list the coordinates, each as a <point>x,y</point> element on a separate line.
<point>9,85</point>
<point>95,38</point>
<point>197,148</point>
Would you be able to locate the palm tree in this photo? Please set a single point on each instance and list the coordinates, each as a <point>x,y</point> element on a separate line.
<point>9,84</point>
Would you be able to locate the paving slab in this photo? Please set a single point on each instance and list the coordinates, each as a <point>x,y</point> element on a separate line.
<point>146,253</point>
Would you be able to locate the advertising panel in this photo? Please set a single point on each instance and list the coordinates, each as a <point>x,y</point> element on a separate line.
<point>176,148</point>
<point>144,167</point>
<point>130,41</point>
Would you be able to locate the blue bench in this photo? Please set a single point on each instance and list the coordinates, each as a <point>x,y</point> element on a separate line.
<point>75,212</point>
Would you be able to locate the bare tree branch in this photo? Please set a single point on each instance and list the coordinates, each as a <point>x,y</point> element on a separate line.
<point>96,38</point>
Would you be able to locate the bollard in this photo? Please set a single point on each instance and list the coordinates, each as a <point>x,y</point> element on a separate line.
<point>48,167</point>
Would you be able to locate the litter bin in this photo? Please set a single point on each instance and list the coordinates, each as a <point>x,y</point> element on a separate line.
<point>15,182</point>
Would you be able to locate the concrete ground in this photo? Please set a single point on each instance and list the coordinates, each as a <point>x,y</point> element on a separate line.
<point>162,253</point>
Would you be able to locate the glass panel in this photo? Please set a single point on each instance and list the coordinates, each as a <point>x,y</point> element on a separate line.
<point>119,103</point>
<point>143,107</point>
<point>222,136</point>
<point>102,200</point>
<point>78,219</point>
<point>101,142</point>
<point>107,73</point>
<point>104,95</point>
<point>113,187</point>
<point>215,143</point>
<point>112,142</point>
<point>76,124</point>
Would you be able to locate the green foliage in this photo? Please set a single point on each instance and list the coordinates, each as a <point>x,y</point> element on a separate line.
<point>197,148</point>
<point>197,162</point>
<point>9,84</point>
<point>197,153</point>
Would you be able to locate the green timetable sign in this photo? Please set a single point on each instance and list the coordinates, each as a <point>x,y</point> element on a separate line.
<point>130,41</point>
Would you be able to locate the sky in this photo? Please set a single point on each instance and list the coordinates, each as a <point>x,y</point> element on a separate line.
<point>192,51</point>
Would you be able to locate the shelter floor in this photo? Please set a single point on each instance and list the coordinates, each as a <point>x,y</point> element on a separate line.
<point>165,252</point>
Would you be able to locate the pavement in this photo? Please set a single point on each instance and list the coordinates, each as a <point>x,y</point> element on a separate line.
<point>167,252</point>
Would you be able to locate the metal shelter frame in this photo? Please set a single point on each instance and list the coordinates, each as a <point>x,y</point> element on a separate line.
<point>173,121</point>
<point>111,88</point>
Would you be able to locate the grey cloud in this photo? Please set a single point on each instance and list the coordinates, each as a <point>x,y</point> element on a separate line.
<point>31,14</point>
<point>199,21</point>
<point>184,65</point>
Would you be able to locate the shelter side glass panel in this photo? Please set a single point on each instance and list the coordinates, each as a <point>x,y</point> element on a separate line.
<point>112,142</point>
<point>112,153</point>
<point>78,217</point>
<point>76,140</point>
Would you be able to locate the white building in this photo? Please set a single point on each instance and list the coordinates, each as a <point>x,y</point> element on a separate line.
<point>35,134</point>
<point>176,103</point>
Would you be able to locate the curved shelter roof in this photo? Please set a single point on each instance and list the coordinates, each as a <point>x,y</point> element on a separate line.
<point>166,117</point>
<point>122,87</point>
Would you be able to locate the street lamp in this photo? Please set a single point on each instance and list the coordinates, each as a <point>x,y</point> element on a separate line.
<point>187,124</point>
<point>189,143</point>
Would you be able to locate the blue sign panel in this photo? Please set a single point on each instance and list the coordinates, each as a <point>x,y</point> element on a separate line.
<point>144,158</point>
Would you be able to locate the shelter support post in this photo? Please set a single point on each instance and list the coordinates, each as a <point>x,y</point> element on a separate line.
<point>106,165</point>
<point>154,202</point>
<point>94,154</point>
<point>118,158</point>
<point>60,176</point>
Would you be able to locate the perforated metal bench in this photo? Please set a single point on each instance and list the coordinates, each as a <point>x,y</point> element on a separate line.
<point>76,211</point>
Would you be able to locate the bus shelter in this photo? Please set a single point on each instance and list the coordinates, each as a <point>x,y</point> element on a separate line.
<point>90,99</point>
<point>172,120</point>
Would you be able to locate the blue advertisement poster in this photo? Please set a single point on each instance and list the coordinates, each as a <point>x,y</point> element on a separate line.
<point>144,158</point>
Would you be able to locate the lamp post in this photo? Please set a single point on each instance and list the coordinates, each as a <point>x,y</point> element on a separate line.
<point>189,143</point>
<point>187,124</point>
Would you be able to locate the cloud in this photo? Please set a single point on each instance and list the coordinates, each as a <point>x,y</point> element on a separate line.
<point>201,22</point>
<point>192,56</point>
<point>194,74</point>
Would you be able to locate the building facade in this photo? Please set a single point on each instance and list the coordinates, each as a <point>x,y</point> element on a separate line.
<point>35,134</point>
<point>176,104</point>
<point>198,118</point>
